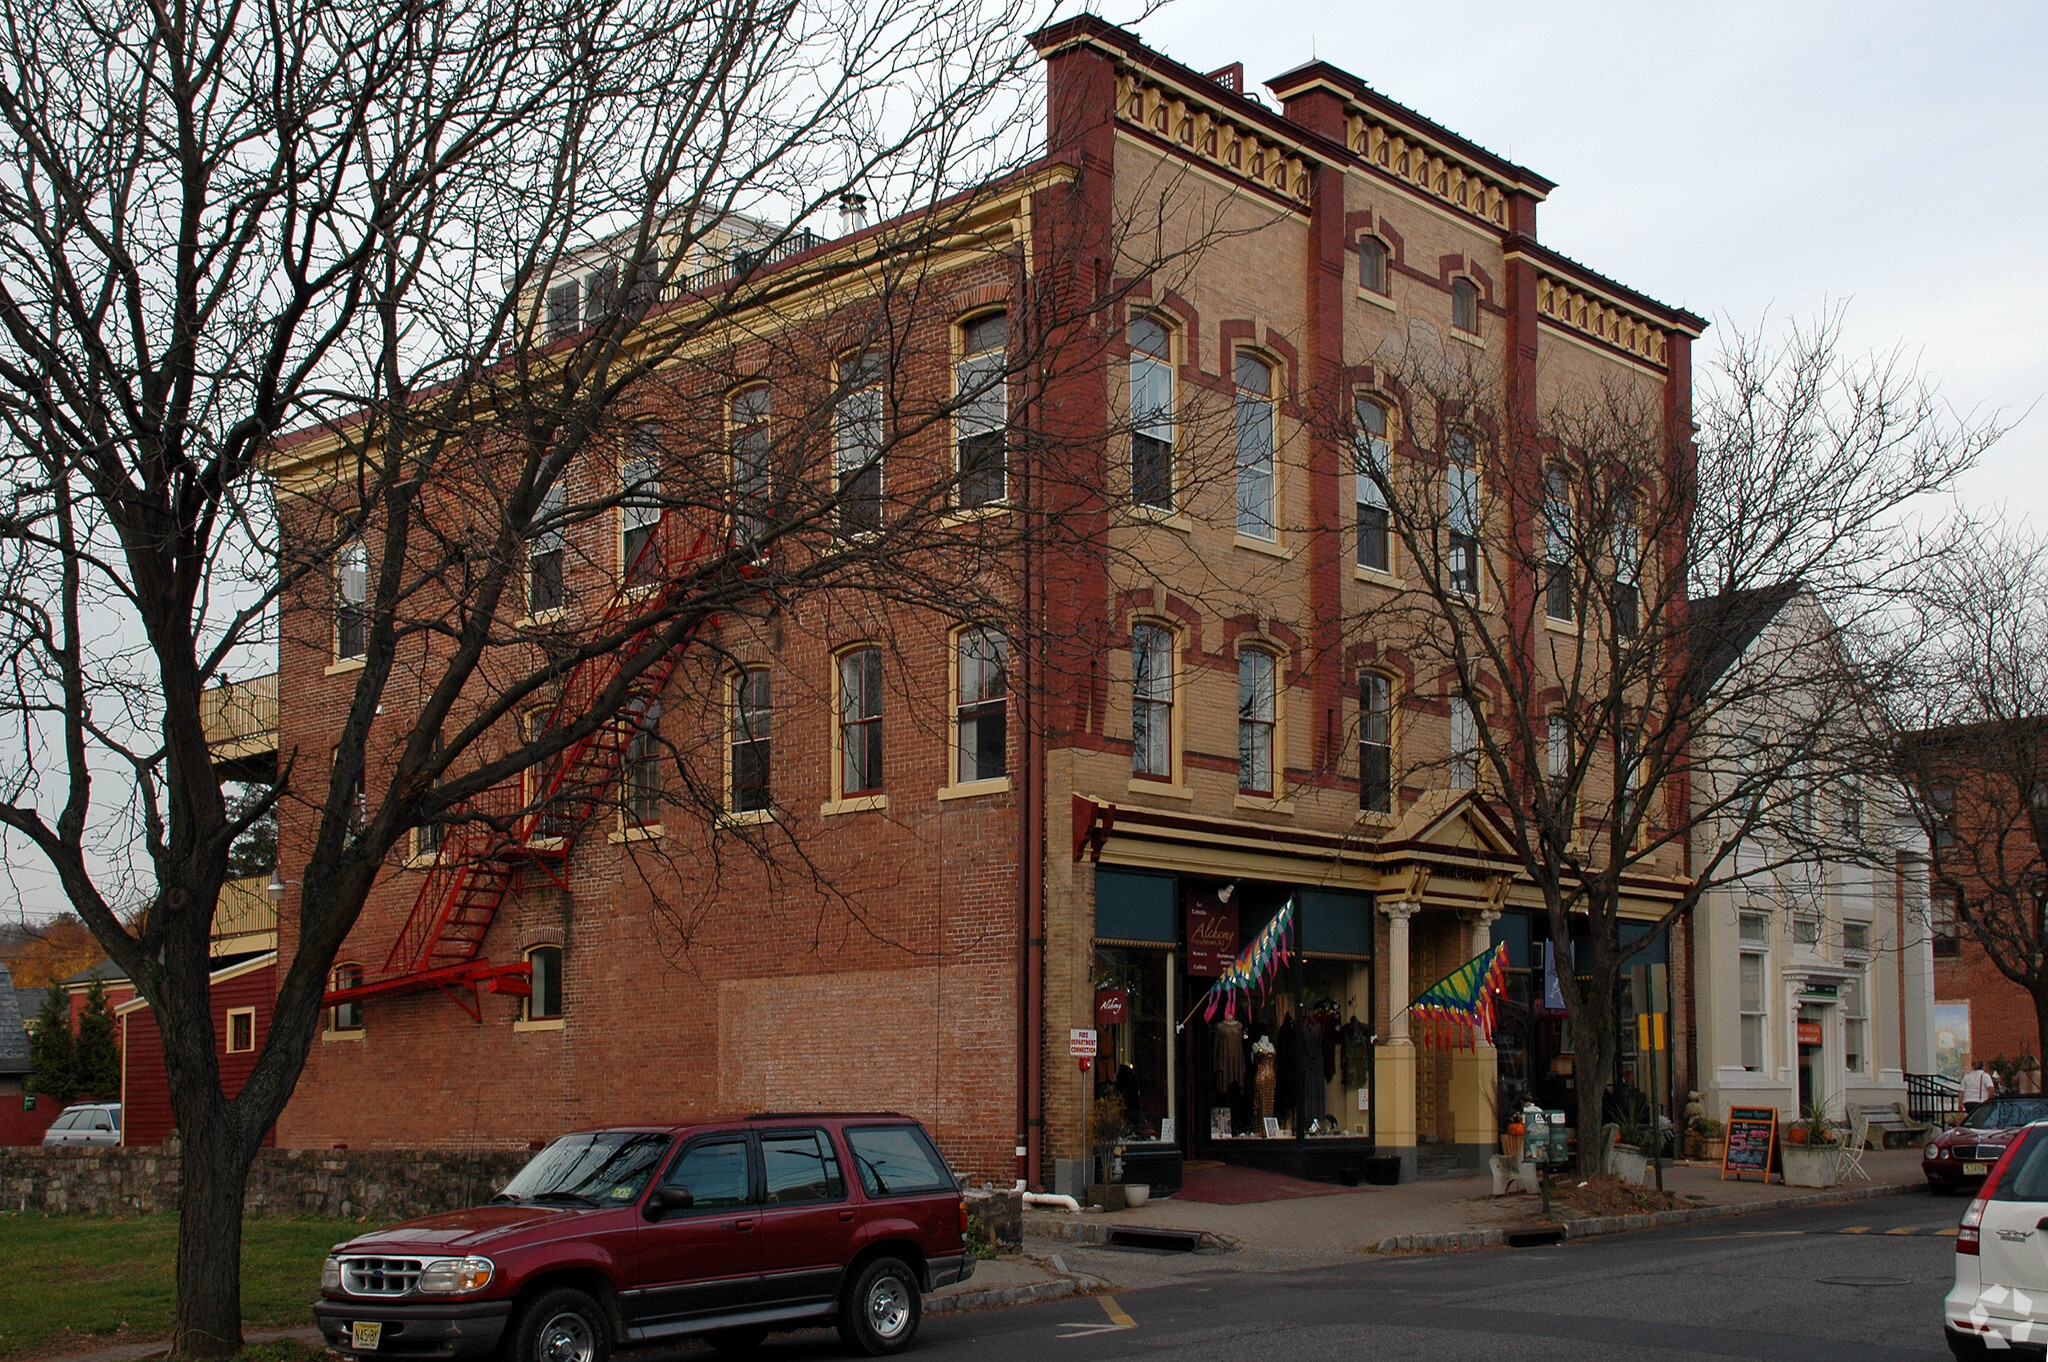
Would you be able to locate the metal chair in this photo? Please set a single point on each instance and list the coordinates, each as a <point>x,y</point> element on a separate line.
<point>1852,1149</point>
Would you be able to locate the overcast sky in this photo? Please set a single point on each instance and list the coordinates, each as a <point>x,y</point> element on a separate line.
<point>1744,159</point>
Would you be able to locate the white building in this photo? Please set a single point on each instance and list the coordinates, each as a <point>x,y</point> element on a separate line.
<point>1813,967</point>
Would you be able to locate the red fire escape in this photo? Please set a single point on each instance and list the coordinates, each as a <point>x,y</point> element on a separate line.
<point>533,820</point>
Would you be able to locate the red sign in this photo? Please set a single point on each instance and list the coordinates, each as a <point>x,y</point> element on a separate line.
<point>1212,935</point>
<point>1809,1033</point>
<point>1110,1004</point>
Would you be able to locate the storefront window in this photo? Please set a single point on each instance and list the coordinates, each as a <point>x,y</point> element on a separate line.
<point>1133,1054</point>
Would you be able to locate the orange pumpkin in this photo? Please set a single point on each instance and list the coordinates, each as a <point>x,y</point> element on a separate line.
<point>1796,1135</point>
<point>1515,1128</point>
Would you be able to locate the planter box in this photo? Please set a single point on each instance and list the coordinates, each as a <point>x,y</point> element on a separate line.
<point>1629,1164</point>
<point>1109,1196</point>
<point>1811,1165</point>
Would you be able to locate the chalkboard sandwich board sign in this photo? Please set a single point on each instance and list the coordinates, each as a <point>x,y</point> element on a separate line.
<point>1752,1139</point>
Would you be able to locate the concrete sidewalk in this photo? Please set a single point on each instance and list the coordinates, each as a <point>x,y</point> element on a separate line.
<point>1425,1214</point>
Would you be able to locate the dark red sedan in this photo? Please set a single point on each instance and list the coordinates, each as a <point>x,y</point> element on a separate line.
<point>1962,1155</point>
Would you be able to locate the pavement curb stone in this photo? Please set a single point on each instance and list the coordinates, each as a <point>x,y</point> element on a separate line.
<point>996,1297</point>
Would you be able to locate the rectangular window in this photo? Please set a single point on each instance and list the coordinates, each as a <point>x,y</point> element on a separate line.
<point>1151,702</point>
<point>1944,922</point>
<point>1856,938</point>
<point>545,976</point>
<point>1755,1011</point>
<point>751,735</point>
<point>981,425</point>
<point>565,309</point>
<point>750,467</point>
<point>1465,305</point>
<point>1557,547</point>
<point>1559,767</point>
<point>640,507</point>
<point>1461,512</point>
<point>352,600</point>
<point>1371,452</point>
<point>897,1161</point>
<point>545,584</point>
<point>1855,1025</point>
<point>1941,806</point>
<point>1628,566</point>
<point>241,1035</point>
<point>857,453</point>
<point>1852,813</point>
<point>800,1166</point>
<point>600,294</point>
<point>1375,744</point>
<point>1805,929</point>
<point>1151,415</point>
<point>982,720</point>
<point>346,1016</point>
<point>1628,762</point>
<point>1372,264</point>
<point>640,786</point>
<point>1255,473</point>
<point>1255,705</point>
<point>860,721</point>
<point>1464,745</point>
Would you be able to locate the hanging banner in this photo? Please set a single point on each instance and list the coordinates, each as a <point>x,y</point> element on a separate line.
<point>1457,1012</point>
<point>1254,967</point>
<point>1212,935</point>
<point>1110,1006</point>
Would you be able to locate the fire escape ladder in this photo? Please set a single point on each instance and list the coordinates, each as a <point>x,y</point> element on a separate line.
<point>535,818</point>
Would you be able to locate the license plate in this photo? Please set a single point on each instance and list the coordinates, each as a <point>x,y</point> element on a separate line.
<point>1976,1170</point>
<point>364,1335</point>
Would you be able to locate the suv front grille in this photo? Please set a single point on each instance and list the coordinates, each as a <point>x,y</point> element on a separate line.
<point>379,1276</point>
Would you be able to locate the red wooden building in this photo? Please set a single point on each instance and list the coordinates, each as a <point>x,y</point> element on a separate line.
<point>243,997</point>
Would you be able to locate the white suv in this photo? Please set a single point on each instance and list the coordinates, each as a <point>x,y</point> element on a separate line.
<point>2000,1298</point>
<point>86,1123</point>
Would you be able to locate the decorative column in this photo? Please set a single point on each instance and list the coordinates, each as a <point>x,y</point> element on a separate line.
<point>1475,1073</point>
<point>1395,1055</point>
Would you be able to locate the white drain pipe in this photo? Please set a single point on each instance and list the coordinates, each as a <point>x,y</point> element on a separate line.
<point>1065,1203</point>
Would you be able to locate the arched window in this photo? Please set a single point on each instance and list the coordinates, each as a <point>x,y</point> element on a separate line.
<point>1372,264</point>
<point>1152,664</point>
<point>1461,513</point>
<point>1465,306</point>
<point>1151,414</point>
<point>857,453</point>
<point>351,600</point>
<point>981,716</point>
<point>346,1016</point>
<point>1375,743</point>
<point>640,506</point>
<point>1371,453</point>
<point>860,721</point>
<point>546,584</point>
<point>1256,717</point>
<point>981,421</point>
<point>1255,474</point>
<point>1557,545</point>
<point>545,1002</point>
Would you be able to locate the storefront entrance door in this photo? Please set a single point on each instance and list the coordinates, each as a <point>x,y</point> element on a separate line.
<point>1813,1068</point>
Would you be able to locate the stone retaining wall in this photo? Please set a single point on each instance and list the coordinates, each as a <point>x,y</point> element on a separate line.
<point>378,1184</point>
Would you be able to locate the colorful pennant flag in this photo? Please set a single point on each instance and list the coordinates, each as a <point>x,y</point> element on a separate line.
<point>1254,967</point>
<point>1457,1012</point>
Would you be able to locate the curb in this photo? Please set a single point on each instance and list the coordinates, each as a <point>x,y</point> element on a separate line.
<point>1592,1226</point>
<point>1096,1230</point>
<point>996,1297</point>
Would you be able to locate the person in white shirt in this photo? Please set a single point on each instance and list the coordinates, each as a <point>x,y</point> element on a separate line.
<point>1979,1087</point>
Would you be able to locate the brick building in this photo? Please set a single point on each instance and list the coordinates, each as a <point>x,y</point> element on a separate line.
<point>1064,835</point>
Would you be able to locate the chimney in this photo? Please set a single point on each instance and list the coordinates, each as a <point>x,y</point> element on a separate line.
<point>853,213</point>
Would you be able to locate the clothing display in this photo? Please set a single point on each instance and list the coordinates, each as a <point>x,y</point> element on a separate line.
<point>1357,1045</point>
<point>1288,1057</point>
<point>1264,1077</point>
<point>1229,1047</point>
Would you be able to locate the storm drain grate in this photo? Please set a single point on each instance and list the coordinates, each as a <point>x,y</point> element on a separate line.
<point>1168,1241</point>
<point>1533,1238</point>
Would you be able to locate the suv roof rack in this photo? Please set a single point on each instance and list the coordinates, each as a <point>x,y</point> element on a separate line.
<point>824,1115</point>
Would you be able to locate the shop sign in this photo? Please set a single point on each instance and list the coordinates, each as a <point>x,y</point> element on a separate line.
<point>1809,1033</point>
<point>1110,1006</point>
<point>1212,936</point>
<point>1081,1044</point>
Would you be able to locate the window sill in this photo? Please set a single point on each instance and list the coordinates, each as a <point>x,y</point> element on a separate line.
<point>1164,789</point>
<point>749,818</point>
<point>962,515</point>
<point>972,789</point>
<point>1376,298</point>
<point>1558,626</point>
<point>645,832</point>
<point>1374,819</point>
<point>1271,549</point>
<point>545,843</point>
<point>334,1037</point>
<point>544,1024</point>
<point>346,664</point>
<point>421,860</point>
<point>1164,519</point>
<point>1471,338</point>
<point>1377,577</point>
<point>1265,803</point>
<point>857,804</point>
<point>545,617</point>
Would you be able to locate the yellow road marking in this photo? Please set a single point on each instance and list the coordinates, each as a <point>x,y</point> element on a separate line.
<point>1904,1229</point>
<point>1116,1313</point>
<point>1947,1233</point>
<point>1856,1229</point>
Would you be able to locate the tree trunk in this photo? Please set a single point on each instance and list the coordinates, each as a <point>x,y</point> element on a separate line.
<point>216,1169</point>
<point>1590,1078</point>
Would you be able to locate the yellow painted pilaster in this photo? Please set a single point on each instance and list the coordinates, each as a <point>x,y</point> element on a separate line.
<point>1475,1092</point>
<point>1394,1095</point>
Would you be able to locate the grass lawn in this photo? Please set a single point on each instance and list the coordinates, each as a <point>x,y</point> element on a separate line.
<point>94,1276</point>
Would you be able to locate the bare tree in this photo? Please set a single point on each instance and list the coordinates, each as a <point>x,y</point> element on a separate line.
<point>1969,718</point>
<point>1640,645</point>
<point>316,246</point>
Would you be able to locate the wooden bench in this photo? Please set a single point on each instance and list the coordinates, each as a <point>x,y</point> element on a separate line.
<point>1889,1125</point>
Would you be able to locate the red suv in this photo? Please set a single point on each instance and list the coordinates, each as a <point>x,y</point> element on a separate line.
<point>723,1230</point>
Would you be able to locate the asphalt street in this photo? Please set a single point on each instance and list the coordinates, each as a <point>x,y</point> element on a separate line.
<point>1859,1281</point>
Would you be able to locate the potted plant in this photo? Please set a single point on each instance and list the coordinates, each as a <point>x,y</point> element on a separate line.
<point>1812,1156</point>
<point>1628,1161</point>
<point>1707,1139</point>
<point>1106,1133</point>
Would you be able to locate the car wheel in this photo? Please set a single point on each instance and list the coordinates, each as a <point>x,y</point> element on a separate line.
<point>563,1325</point>
<point>737,1341</point>
<point>881,1310</point>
